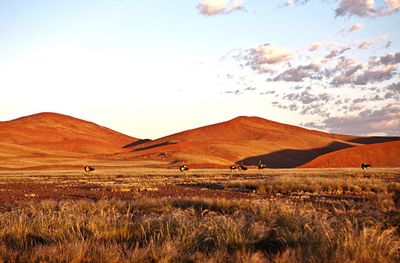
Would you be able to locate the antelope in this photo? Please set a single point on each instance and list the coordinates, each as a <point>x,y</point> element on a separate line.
<point>261,165</point>
<point>88,169</point>
<point>365,165</point>
<point>242,167</point>
<point>183,168</point>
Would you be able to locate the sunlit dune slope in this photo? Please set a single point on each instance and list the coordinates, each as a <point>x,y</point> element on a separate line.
<point>231,141</point>
<point>50,133</point>
<point>385,154</point>
<point>50,139</point>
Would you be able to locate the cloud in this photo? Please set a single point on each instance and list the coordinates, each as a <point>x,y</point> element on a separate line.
<point>312,125</point>
<point>305,102</point>
<point>270,54</point>
<point>393,91</point>
<point>280,64</point>
<point>355,28</point>
<point>264,57</point>
<point>268,92</point>
<point>385,120</point>
<point>314,47</point>
<point>393,5</point>
<point>349,71</point>
<point>366,44</point>
<point>330,84</point>
<point>306,97</point>
<point>291,107</point>
<point>336,51</point>
<point>346,76</point>
<point>293,2</point>
<point>289,3</point>
<point>366,8</point>
<point>395,87</point>
<point>390,59</point>
<point>218,7</point>
<point>362,8</point>
<point>299,73</point>
<point>234,92</point>
<point>372,76</point>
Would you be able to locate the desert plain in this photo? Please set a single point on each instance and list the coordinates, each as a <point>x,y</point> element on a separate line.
<point>313,202</point>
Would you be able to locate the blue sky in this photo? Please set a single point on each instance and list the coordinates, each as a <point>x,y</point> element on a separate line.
<point>151,68</point>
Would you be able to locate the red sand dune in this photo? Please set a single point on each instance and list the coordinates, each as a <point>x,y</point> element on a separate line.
<point>385,154</point>
<point>60,134</point>
<point>28,141</point>
<point>240,139</point>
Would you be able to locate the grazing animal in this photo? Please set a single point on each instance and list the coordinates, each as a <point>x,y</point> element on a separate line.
<point>365,165</point>
<point>233,167</point>
<point>261,165</point>
<point>88,169</point>
<point>242,167</point>
<point>183,168</point>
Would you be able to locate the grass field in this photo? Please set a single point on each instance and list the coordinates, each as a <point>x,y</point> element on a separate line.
<point>130,214</point>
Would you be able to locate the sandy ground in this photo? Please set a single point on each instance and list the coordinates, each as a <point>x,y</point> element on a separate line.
<point>136,183</point>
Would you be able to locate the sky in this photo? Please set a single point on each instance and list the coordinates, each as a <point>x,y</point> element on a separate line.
<point>150,68</point>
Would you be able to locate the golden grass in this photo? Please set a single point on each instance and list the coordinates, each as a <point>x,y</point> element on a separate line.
<point>268,228</point>
<point>193,230</point>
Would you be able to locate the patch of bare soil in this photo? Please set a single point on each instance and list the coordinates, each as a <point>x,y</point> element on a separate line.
<point>17,191</point>
<point>134,183</point>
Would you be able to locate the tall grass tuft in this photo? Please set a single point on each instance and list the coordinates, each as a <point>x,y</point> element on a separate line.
<point>194,230</point>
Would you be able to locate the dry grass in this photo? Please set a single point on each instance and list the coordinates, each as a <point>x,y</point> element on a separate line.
<point>294,184</point>
<point>193,230</point>
<point>263,229</point>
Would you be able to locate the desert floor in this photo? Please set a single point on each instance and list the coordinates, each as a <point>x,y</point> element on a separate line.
<point>130,182</point>
<point>124,213</point>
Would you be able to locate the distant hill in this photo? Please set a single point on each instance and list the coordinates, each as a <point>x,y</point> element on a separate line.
<point>57,134</point>
<point>386,154</point>
<point>45,139</point>
<point>242,139</point>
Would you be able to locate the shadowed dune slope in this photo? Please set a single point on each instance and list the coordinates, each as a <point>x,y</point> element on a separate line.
<point>385,154</point>
<point>290,158</point>
<point>242,137</point>
<point>43,133</point>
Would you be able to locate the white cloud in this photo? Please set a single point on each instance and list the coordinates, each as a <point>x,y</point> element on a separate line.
<point>366,8</point>
<point>366,44</point>
<point>355,28</point>
<point>362,8</point>
<point>314,47</point>
<point>270,54</point>
<point>217,7</point>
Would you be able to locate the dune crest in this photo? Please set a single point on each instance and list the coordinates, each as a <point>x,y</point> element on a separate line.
<point>55,132</point>
<point>243,140</point>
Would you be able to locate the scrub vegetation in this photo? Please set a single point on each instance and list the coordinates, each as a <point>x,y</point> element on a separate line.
<point>283,217</point>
